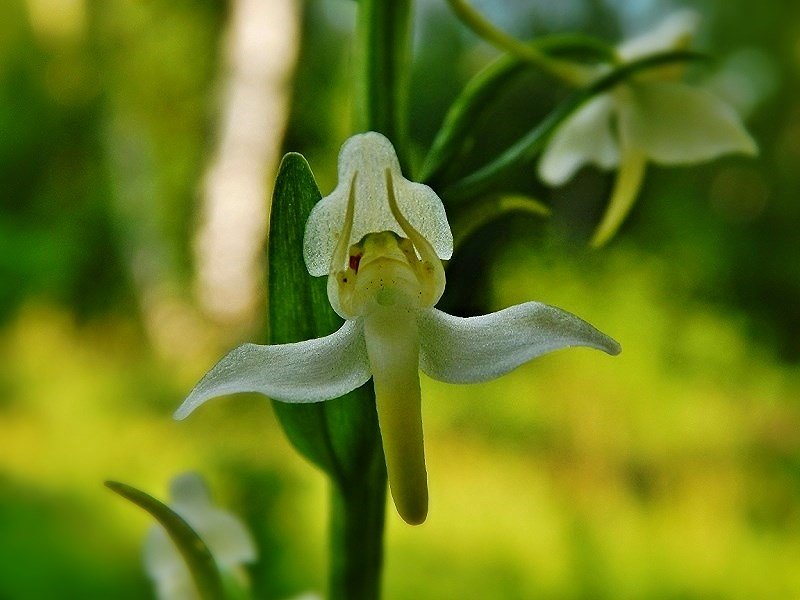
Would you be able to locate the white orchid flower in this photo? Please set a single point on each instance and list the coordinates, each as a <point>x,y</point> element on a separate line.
<point>648,117</point>
<point>226,537</point>
<point>381,240</point>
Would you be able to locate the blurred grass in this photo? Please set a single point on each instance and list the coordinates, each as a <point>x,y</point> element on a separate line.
<point>668,471</point>
<point>90,403</point>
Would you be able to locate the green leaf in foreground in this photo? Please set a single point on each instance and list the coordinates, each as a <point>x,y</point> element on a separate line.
<point>338,434</point>
<point>198,559</point>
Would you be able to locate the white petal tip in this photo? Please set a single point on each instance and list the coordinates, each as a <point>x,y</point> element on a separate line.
<point>671,33</point>
<point>553,174</point>
<point>612,347</point>
<point>182,412</point>
<point>190,404</point>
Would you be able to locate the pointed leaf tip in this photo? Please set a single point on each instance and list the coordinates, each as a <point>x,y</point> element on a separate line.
<point>330,434</point>
<point>198,558</point>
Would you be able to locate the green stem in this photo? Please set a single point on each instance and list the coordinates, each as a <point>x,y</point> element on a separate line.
<point>358,502</point>
<point>558,68</point>
<point>384,28</point>
<point>357,513</point>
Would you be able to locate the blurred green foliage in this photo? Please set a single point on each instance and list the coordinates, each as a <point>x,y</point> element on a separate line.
<point>671,471</point>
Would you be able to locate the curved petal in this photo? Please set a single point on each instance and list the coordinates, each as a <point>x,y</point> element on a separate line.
<point>370,155</point>
<point>677,124</point>
<point>176,587</point>
<point>672,33</point>
<point>459,350</point>
<point>226,537</point>
<point>585,137</point>
<point>309,371</point>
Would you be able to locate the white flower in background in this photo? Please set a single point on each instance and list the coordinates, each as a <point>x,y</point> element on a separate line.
<point>648,117</point>
<point>381,240</point>
<point>226,537</point>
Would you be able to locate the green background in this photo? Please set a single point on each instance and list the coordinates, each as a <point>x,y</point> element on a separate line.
<point>671,471</point>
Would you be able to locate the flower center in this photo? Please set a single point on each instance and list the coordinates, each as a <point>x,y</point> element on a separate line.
<point>383,269</point>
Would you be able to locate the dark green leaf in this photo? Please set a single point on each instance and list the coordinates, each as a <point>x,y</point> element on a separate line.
<point>201,564</point>
<point>338,434</point>
<point>479,92</point>
<point>576,46</point>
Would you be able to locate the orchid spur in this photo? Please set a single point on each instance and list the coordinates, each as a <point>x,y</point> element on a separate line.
<point>381,239</point>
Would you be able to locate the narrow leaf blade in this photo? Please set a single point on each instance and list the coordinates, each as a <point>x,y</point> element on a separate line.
<point>459,121</point>
<point>195,553</point>
<point>483,211</point>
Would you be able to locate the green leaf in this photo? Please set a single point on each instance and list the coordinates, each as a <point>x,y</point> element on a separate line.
<point>336,434</point>
<point>479,92</point>
<point>576,46</point>
<point>198,559</point>
<point>530,144</point>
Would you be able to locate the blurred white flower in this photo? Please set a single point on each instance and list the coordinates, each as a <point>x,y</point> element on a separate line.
<point>226,537</point>
<point>648,117</point>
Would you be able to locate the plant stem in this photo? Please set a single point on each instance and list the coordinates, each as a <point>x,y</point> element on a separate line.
<point>356,533</point>
<point>358,502</point>
<point>560,69</point>
<point>383,35</point>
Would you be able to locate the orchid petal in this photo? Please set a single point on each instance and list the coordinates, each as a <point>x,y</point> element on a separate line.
<point>468,350</point>
<point>370,155</point>
<point>309,371</point>
<point>178,587</point>
<point>162,560</point>
<point>585,137</point>
<point>676,124</point>
<point>672,33</point>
